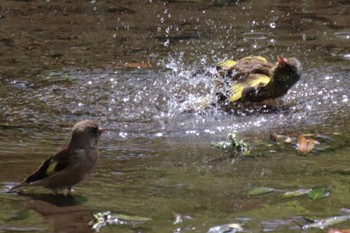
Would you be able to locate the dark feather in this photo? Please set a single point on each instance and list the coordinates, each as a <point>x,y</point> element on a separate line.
<point>61,158</point>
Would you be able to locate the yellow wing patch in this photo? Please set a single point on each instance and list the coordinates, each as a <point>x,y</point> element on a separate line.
<point>254,80</point>
<point>51,169</point>
<point>227,64</point>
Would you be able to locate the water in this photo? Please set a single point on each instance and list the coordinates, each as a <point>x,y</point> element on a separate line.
<point>140,70</point>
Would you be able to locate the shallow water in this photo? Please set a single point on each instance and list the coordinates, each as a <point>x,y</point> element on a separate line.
<point>138,69</point>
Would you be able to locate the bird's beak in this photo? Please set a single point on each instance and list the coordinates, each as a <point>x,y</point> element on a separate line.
<point>100,131</point>
<point>281,61</point>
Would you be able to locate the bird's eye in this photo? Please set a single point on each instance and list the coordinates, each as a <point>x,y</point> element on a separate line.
<point>95,130</point>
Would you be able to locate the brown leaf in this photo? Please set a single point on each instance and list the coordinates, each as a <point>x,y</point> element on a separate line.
<point>305,144</point>
<point>338,231</point>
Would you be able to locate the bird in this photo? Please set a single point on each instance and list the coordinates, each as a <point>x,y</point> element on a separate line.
<point>71,164</point>
<point>253,79</point>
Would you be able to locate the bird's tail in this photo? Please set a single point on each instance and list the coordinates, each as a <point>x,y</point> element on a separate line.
<point>15,188</point>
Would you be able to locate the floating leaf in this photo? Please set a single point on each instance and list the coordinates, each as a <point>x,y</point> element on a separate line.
<point>260,191</point>
<point>305,144</point>
<point>318,193</point>
<point>296,193</point>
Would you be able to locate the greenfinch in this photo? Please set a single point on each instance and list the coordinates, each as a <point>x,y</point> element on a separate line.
<point>254,79</point>
<point>71,164</point>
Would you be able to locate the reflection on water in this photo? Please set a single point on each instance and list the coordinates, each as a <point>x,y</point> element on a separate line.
<point>76,61</point>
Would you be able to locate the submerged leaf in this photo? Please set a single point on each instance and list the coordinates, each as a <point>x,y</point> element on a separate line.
<point>318,193</point>
<point>314,194</point>
<point>260,191</point>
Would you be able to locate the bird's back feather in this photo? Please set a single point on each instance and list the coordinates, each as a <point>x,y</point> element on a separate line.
<point>251,72</point>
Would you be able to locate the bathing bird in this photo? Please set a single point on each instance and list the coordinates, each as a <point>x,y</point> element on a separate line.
<point>253,79</point>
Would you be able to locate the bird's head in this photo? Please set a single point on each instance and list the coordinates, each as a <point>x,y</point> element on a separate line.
<point>85,134</point>
<point>287,70</point>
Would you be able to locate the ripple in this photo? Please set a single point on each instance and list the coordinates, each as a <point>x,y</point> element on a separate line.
<point>255,35</point>
<point>342,35</point>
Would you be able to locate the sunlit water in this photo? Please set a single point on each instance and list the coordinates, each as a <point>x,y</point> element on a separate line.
<point>157,156</point>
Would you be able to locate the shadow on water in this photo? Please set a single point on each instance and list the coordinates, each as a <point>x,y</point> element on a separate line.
<point>73,216</point>
<point>142,70</point>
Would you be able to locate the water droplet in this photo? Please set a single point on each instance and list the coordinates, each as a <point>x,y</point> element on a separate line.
<point>303,36</point>
<point>166,43</point>
<point>123,134</point>
<point>159,134</point>
<point>272,25</point>
<point>167,30</point>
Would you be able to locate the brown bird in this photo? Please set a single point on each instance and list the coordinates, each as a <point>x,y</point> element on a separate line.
<point>70,165</point>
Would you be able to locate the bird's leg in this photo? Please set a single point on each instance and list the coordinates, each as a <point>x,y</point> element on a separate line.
<point>55,192</point>
<point>68,191</point>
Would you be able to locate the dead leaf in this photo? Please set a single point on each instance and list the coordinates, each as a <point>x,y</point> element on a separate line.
<point>338,231</point>
<point>305,144</point>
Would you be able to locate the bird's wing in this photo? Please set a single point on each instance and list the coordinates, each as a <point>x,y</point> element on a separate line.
<point>228,64</point>
<point>50,166</point>
<point>259,58</point>
<point>252,81</point>
<point>225,65</point>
